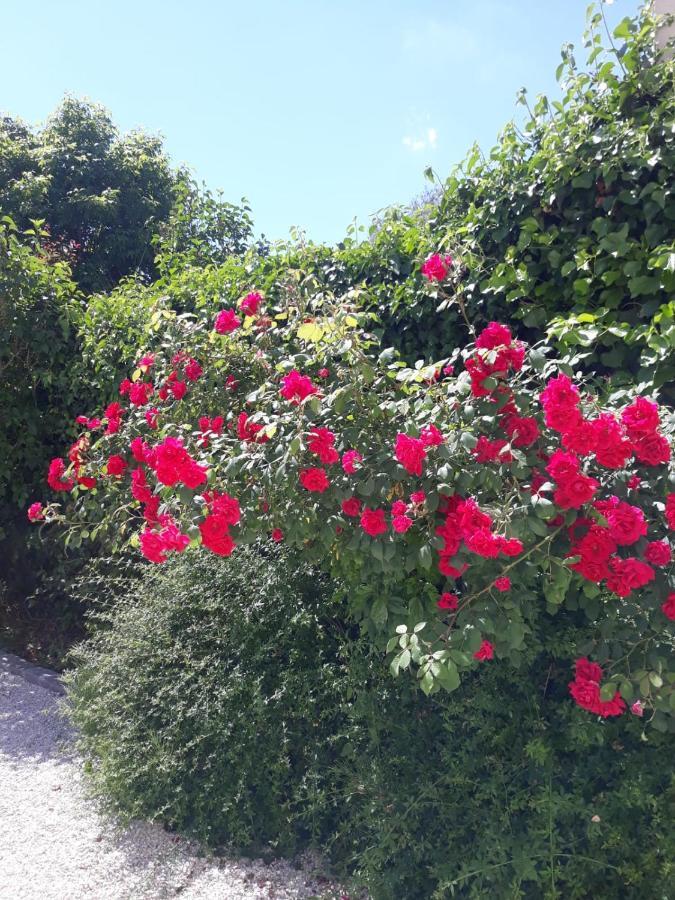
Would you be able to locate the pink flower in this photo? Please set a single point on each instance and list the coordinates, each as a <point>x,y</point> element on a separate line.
<point>35,512</point>
<point>637,709</point>
<point>146,362</point>
<point>151,417</point>
<point>314,479</point>
<point>277,535</point>
<point>448,601</point>
<point>351,507</point>
<point>349,460</point>
<point>373,521</point>
<point>250,303</point>
<point>436,267</point>
<point>323,373</point>
<point>296,387</point>
<point>411,453</point>
<point>226,321</point>
<point>503,583</point>
<point>418,497</point>
<point>485,651</point>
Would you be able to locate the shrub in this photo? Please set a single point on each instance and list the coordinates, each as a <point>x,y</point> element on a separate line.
<point>208,698</point>
<point>229,699</point>
<point>500,790</point>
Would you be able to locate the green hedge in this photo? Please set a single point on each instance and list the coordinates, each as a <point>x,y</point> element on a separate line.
<point>208,698</point>
<point>228,699</point>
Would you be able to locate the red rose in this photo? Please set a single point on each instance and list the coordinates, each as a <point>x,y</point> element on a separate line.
<point>652,449</point>
<point>215,534</point>
<point>448,601</point>
<point>314,480</point>
<point>485,651</point>
<point>35,512</point>
<point>351,507</point>
<point>436,267</point>
<point>250,303</point>
<point>668,608</point>
<point>373,521</point>
<point>116,465</point>
<point>411,453</point>
<point>658,553</point>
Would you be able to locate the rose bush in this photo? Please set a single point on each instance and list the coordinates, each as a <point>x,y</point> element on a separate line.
<point>506,485</point>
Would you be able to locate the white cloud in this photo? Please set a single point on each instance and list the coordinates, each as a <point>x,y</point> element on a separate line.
<point>417,142</point>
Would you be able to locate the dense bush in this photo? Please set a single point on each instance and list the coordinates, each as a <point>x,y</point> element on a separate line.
<point>499,791</point>
<point>208,698</point>
<point>226,698</point>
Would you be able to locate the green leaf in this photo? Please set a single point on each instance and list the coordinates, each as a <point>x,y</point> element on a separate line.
<point>448,676</point>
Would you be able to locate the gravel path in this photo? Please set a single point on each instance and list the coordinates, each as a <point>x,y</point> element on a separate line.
<point>54,844</point>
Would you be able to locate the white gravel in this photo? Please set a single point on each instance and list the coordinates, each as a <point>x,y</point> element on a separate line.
<point>55,845</point>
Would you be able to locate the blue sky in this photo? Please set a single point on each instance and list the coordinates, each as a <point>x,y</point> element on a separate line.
<point>316,111</point>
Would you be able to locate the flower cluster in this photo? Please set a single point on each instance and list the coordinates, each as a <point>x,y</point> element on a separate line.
<point>399,481</point>
<point>585,689</point>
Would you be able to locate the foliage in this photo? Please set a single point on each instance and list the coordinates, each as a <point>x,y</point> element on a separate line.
<point>38,310</point>
<point>208,698</point>
<point>105,198</point>
<point>224,697</point>
<point>501,790</point>
<point>573,220</point>
<point>39,393</point>
<point>202,230</point>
